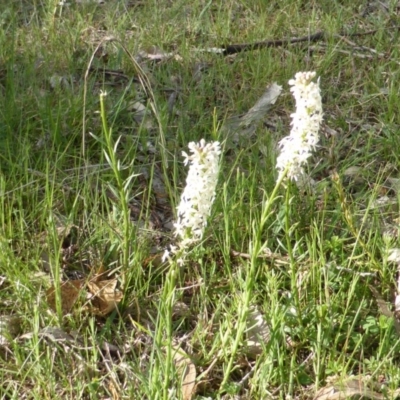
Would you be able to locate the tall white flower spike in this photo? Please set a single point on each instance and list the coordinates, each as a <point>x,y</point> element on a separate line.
<point>394,256</point>
<point>303,139</point>
<point>199,194</point>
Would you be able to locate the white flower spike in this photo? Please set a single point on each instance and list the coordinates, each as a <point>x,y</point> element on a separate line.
<point>303,139</point>
<point>197,197</point>
<point>199,193</point>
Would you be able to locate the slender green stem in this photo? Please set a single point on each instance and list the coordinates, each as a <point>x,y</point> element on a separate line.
<point>255,250</point>
<point>293,266</point>
<point>165,329</point>
<point>122,189</point>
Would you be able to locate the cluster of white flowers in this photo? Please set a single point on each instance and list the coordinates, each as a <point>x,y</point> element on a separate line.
<point>199,193</point>
<point>303,139</point>
<point>394,256</point>
<point>197,198</point>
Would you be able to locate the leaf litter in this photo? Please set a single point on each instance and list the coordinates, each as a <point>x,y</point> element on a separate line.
<point>100,297</point>
<point>105,295</point>
<point>258,333</point>
<point>245,126</point>
<point>186,370</point>
<point>70,291</point>
<point>352,387</point>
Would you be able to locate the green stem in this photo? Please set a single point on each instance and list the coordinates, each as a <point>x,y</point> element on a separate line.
<point>168,299</point>
<point>111,149</point>
<point>250,278</point>
<point>293,269</point>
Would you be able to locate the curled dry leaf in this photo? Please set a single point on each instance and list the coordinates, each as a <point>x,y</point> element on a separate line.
<point>246,125</point>
<point>102,294</point>
<point>263,104</point>
<point>105,296</point>
<point>180,310</point>
<point>154,53</point>
<point>258,333</point>
<point>55,334</point>
<point>10,325</point>
<point>354,388</point>
<point>394,256</point>
<point>141,114</point>
<point>187,371</point>
<point>69,294</point>
<point>384,309</point>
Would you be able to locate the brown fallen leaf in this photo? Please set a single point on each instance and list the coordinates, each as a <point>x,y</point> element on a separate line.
<point>105,295</point>
<point>187,371</point>
<point>69,293</point>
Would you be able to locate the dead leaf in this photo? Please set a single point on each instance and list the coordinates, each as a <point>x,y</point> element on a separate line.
<point>394,183</point>
<point>154,53</point>
<point>69,294</point>
<point>141,114</point>
<point>213,50</point>
<point>394,256</point>
<point>353,388</point>
<point>245,125</point>
<point>105,295</point>
<point>198,70</point>
<point>353,172</point>
<point>98,274</point>
<point>382,201</point>
<point>55,334</point>
<point>59,82</point>
<point>263,104</point>
<point>10,326</point>
<point>101,293</point>
<point>258,333</point>
<point>187,371</point>
<point>180,310</point>
<point>384,309</point>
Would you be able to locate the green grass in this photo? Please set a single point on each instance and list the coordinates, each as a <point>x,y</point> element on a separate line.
<point>75,198</point>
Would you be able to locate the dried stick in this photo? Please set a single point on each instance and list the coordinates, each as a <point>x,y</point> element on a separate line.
<point>315,37</point>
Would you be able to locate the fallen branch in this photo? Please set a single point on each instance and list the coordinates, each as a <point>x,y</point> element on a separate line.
<point>315,37</point>
<point>238,48</point>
